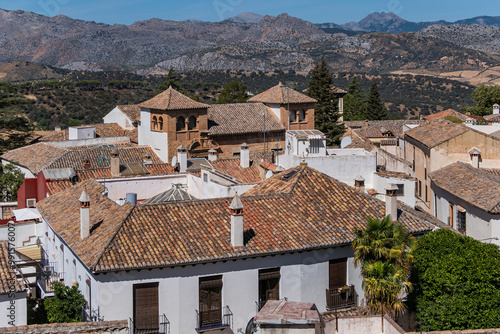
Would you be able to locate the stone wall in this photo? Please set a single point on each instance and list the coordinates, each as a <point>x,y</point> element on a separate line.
<point>103,327</point>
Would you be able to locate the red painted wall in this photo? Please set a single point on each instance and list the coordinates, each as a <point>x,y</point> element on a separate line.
<point>27,190</point>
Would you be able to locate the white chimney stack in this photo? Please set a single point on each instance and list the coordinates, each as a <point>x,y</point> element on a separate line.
<point>391,201</point>
<point>244,156</point>
<point>212,155</point>
<point>496,109</point>
<point>359,183</point>
<point>236,208</point>
<point>115,163</point>
<point>84,215</point>
<point>182,158</point>
<point>475,154</point>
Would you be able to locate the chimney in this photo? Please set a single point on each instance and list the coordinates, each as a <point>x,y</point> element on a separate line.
<point>244,156</point>
<point>496,109</point>
<point>182,158</point>
<point>86,164</point>
<point>147,159</point>
<point>391,201</point>
<point>132,198</point>
<point>58,129</point>
<point>475,155</point>
<point>359,183</point>
<point>115,163</point>
<point>212,155</point>
<point>84,215</point>
<point>236,208</point>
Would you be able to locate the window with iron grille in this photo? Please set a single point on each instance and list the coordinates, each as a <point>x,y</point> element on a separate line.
<point>210,295</point>
<point>461,220</point>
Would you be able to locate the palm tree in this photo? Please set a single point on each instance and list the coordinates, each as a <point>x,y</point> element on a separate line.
<point>384,251</point>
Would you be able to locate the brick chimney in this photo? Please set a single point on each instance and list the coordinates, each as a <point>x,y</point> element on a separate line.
<point>86,164</point>
<point>147,159</point>
<point>84,215</point>
<point>236,208</point>
<point>182,158</point>
<point>115,163</point>
<point>359,183</point>
<point>475,155</point>
<point>212,155</point>
<point>244,156</point>
<point>391,201</point>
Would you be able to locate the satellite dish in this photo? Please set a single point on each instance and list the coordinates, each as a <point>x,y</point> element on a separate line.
<point>346,141</point>
<point>174,161</point>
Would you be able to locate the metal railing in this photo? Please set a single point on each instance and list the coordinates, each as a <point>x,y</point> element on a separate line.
<point>341,297</point>
<point>150,325</point>
<point>214,318</point>
<point>48,275</point>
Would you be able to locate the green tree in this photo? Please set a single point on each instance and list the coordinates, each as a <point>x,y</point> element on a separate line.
<point>66,305</point>
<point>374,108</point>
<point>384,251</point>
<point>457,282</point>
<point>485,97</point>
<point>354,101</point>
<point>233,92</point>
<point>15,129</point>
<point>326,112</point>
<point>10,181</point>
<point>172,80</point>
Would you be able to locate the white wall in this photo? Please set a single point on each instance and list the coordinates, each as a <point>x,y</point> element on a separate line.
<point>157,140</point>
<point>381,182</point>
<point>81,132</point>
<point>488,129</point>
<point>22,232</point>
<point>26,172</point>
<point>374,324</point>
<point>209,189</point>
<point>91,142</point>
<point>117,116</point>
<point>13,309</point>
<point>276,108</point>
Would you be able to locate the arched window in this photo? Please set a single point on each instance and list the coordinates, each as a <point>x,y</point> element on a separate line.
<point>293,116</point>
<point>181,123</point>
<point>160,123</point>
<point>154,123</point>
<point>192,123</point>
<point>302,115</point>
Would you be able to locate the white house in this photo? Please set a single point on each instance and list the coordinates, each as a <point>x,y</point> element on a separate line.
<point>204,264</point>
<point>467,198</point>
<point>125,116</point>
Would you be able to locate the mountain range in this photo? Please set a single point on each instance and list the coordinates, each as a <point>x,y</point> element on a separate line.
<point>248,42</point>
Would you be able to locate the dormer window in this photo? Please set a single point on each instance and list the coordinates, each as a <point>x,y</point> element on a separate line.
<point>160,123</point>
<point>302,115</point>
<point>293,116</point>
<point>181,123</point>
<point>192,123</point>
<point>154,123</point>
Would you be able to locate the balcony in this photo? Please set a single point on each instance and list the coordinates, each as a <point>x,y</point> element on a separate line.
<point>341,297</point>
<point>215,318</point>
<point>47,276</point>
<point>150,325</point>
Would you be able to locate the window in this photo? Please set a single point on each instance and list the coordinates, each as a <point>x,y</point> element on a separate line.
<point>181,123</point>
<point>192,123</point>
<point>314,145</point>
<point>337,273</point>
<point>425,173</point>
<point>210,294</point>
<point>154,123</point>
<point>269,285</point>
<point>450,215</point>
<point>419,188</point>
<point>293,116</point>
<point>461,219</point>
<point>145,304</point>
<point>426,193</point>
<point>413,165</point>
<point>401,189</point>
<point>160,123</point>
<point>302,115</point>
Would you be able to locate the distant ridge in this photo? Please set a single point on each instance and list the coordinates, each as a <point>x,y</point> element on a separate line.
<point>246,17</point>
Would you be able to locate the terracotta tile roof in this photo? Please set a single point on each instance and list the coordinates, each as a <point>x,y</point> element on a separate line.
<point>99,157</point>
<point>378,129</point>
<point>451,112</point>
<point>8,280</point>
<point>268,165</point>
<point>308,211</point>
<point>233,168</point>
<point>436,132</point>
<point>358,141</point>
<point>133,111</point>
<point>496,134</point>
<point>62,212</point>
<point>285,312</point>
<point>281,94</point>
<point>385,173</point>
<point>172,100</point>
<point>35,157</point>
<point>240,118</point>
<point>476,186</point>
<point>492,118</point>
<point>102,130</point>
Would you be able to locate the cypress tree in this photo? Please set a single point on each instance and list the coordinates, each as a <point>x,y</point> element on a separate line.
<point>375,109</point>
<point>326,112</point>
<point>172,80</point>
<point>354,101</point>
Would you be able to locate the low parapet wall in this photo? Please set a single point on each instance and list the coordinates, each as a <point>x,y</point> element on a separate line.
<point>102,327</point>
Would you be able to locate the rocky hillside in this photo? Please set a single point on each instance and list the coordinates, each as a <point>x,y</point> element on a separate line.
<point>272,43</point>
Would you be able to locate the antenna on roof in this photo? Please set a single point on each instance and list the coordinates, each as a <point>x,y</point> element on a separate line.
<point>174,161</point>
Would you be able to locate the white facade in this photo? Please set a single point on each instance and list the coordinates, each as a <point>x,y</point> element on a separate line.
<point>81,132</point>
<point>13,309</point>
<point>407,188</point>
<point>210,185</point>
<point>91,142</point>
<point>25,171</point>
<point>118,117</point>
<point>157,140</point>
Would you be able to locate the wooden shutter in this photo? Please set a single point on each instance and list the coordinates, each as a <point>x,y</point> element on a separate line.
<point>337,273</point>
<point>210,295</point>
<point>146,312</point>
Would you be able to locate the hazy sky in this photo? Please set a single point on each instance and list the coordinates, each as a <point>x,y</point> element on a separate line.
<point>317,11</point>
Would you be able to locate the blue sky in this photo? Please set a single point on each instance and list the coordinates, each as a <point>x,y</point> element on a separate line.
<point>317,11</point>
